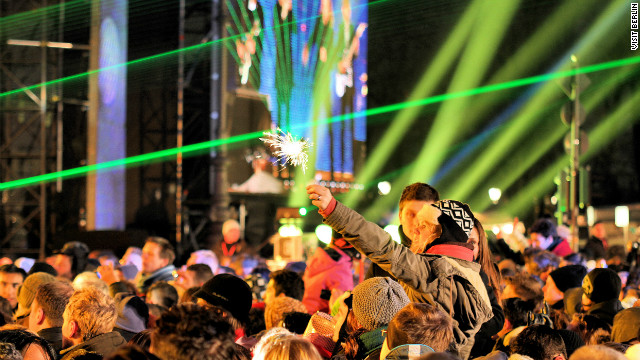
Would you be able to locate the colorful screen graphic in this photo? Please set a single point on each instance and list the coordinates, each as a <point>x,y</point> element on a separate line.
<point>309,59</point>
<point>112,82</point>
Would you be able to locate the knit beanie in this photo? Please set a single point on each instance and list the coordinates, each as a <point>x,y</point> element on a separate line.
<point>601,285</point>
<point>27,291</point>
<point>319,332</point>
<point>456,221</point>
<point>626,324</point>
<point>274,313</point>
<point>376,301</point>
<point>568,277</point>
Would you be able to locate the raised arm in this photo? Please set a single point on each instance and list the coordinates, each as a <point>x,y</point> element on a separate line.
<point>370,239</point>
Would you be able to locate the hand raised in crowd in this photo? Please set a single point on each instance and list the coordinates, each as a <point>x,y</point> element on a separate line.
<point>108,274</point>
<point>319,195</point>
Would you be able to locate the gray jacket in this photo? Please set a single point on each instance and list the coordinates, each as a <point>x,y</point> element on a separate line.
<point>452,284</point>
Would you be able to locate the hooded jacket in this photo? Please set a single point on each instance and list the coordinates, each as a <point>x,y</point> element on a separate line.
<point>447,281</point>
<point>103,344</point>
<point>325,273</point>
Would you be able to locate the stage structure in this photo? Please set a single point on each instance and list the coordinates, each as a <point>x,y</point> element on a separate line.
<point>298,66</point>
<point>33,47</point>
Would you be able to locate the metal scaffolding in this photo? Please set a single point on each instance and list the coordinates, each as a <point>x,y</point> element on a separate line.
<point>31,121</point>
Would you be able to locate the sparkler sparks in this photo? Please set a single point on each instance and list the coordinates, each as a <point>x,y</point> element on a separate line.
<point>287,148</point>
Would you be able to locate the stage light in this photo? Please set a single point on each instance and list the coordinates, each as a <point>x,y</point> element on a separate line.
<point>394,231</point>
<point>591,216</point>
<point>495,229</point>
<point>507,229</point>
<point>289,231</point>
<point>495,194</point>
<point>323,232</point>
<point>384,187</point>
<point>303,211</point>
<point>622,216</point>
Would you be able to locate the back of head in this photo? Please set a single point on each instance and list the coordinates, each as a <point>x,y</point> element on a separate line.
<point>377,300</point>
<point>419,323</point>
<point>27,291</point>
<point>191,332</point>
<point>597,352</point>
<point>544,261</point>
<point>289,283</point>
<point>94,311</point>
<point>419,191</point>
<point>23,339</point>
<point>526,287</point>
<point>162,293</point>
<point>90,279</point>
<point>53,297</point>
<point>296,322</point>
<point>539,342</point>
<point>287,346</point>
<point>517,310</point>
<point>202,273</point>
<point>79,253</point>
<point>274,312</point>
<point>206,257</point>
<point>544,227</point>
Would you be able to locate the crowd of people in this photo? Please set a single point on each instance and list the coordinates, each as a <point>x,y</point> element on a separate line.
<point>447,290</point>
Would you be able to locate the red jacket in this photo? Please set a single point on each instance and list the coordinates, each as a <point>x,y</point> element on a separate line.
<point>562,249</point>
<point>325,273</point>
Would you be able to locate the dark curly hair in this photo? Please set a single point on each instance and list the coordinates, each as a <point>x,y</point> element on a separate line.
<point>289,283</point>
<point>192,332</point>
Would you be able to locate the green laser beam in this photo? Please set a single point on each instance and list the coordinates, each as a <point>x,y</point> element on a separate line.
<point>213,143</point>
<point>133,160</point>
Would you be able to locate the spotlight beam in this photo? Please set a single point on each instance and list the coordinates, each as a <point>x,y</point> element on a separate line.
<point>436,71</point>
<point>605,132</point>
<point>511,171</point>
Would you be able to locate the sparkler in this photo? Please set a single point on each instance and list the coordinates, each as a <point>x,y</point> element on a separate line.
<point>288,148</point>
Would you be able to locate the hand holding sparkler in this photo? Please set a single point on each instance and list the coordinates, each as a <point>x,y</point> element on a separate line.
<point>320,196</point>
<point>287,148</point>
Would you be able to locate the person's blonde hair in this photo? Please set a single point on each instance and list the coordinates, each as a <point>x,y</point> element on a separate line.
<point>287,346</point>
<point>93,311</point>
<point>427,223</point>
